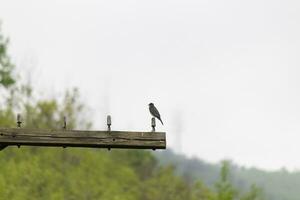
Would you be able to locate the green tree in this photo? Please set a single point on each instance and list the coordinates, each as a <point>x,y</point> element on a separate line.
<point>201,192</point>
<point>6,66</point>
<point>56,173</point>
<point>255,193</point>
<point>143,162</point>
<point>164,185</point>
<point>225,190</point>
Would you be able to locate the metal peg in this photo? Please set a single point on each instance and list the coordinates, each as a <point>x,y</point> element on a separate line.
<point>108,122</point>
<point>65,126</point>
<point>153,124</point>
<point>19,122</point>
<point>65,123</point>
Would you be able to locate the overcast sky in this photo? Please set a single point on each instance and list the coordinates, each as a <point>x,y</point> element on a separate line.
<point>225,73</point>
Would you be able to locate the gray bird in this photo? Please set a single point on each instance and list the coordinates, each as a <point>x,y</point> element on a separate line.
<point>154,112</point>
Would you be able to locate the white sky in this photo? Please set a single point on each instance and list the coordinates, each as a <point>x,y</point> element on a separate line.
<point>228,71</point>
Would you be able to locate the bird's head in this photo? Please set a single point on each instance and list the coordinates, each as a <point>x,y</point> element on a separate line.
<point>151,104</point>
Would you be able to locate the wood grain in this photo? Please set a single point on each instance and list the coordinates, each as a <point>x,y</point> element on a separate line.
<point>77,138</point>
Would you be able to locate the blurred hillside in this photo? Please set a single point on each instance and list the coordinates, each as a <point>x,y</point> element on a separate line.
<point>277,185</point>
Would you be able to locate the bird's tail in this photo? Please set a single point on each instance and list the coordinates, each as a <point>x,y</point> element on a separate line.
<point>161,121</point>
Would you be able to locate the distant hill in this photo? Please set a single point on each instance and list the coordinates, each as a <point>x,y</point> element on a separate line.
<point>277,185</point>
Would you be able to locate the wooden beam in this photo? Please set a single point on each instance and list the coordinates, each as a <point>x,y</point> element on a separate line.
<point>77,138</point>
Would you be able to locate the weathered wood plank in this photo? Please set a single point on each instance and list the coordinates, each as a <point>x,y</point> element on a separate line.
<point>77,138</point>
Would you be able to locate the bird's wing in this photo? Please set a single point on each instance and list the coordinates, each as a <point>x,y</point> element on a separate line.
<point>155,112</point>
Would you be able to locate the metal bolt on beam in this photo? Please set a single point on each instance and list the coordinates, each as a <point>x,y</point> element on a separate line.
<point>153,124</point>
<point>108,122</point>
<point>65,123</point>
<point>19,122</point>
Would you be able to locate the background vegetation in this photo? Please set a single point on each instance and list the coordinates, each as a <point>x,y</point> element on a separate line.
<point>276,185</point>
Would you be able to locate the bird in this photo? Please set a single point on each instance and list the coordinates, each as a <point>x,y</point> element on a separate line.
<point>154,112</point>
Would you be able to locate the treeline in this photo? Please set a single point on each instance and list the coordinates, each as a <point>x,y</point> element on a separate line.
<point>277,185</point>
<point>71,174</point>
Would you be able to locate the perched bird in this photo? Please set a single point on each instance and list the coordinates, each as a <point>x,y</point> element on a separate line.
<point>154,112</point>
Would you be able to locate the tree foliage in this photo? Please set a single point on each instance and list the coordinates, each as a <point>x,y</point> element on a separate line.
<point>6,66</point>
<point>225,190</point>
